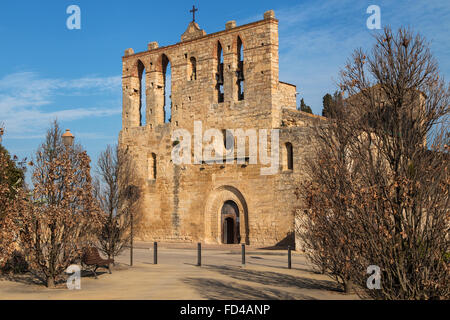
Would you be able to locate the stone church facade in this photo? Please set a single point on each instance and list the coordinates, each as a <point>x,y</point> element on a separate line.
<point>227,80</point>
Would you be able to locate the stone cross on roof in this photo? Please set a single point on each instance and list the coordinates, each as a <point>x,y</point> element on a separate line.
<point>193,12</point>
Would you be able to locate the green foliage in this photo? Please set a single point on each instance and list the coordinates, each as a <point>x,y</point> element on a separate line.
<point>447,257</point>
<point>12,175</point>
<point>331,104</point>
<point>15,170</point>
<point>327,101</point>
<point>304,107</point>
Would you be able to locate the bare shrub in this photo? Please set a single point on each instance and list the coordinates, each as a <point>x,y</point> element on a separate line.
<point>116,171</point>
<point>61,215</point>
<point>378,192</point>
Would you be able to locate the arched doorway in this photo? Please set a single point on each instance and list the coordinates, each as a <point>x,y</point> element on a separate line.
<point>230,223</point>
<point>213,219</point>
<point>228,230</point>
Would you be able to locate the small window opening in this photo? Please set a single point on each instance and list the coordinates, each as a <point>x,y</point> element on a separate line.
<point>142,93</point>
<point>289,160</point>
<point>167,76</point>
<point>240,70</point>
<point>193,75</point>
<point>152,166</point>
<point>219,74</point>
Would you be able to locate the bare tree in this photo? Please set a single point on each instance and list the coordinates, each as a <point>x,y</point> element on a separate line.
<point>116,173</point>
<point>62,214</point>
<point>131,194</point>
<point>382,191</point>
<point>325,222</point>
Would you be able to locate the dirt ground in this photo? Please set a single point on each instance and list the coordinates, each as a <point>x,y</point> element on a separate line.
<point>177,277</point>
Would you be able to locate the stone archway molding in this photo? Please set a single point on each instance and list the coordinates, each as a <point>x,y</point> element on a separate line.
<point>214,203</point>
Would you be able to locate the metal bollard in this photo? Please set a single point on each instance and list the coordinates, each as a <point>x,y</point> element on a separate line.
<point>243,254</point>
<point>155,252</point>
<point>199,254</point>
<point>131,253</point>
<point>131,240</point>
<point>289,258</point>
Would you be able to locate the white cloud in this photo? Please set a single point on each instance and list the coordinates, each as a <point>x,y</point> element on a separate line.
<point>316,38</point>
<point>26,98</point>
<point>105,84</point>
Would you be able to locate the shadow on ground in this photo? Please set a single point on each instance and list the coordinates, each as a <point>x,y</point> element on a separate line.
<point>29,278</point>
<point>282,267</point>
<point>25,278</point>
<point>274,278</point>
<point>253,260</point>
<point>226,290</point>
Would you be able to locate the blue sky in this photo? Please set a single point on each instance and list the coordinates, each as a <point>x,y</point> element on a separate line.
<point>48,71</point>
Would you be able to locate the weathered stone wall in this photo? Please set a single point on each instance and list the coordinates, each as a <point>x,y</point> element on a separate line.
<point>296,118</point>
<point>183,202</point>
<point>287,96</point>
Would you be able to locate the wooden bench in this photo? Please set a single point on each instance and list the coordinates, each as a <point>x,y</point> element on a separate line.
<point>92,261</point>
